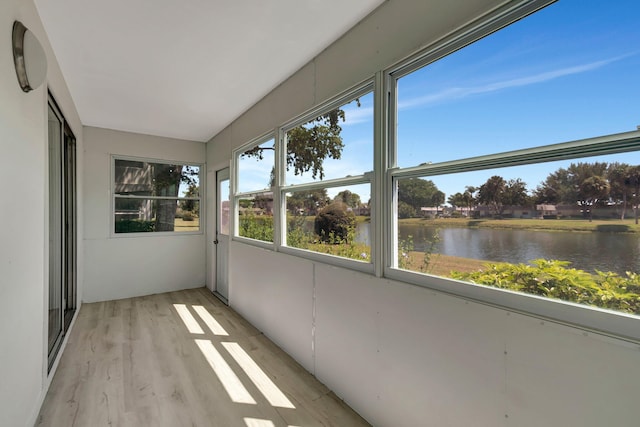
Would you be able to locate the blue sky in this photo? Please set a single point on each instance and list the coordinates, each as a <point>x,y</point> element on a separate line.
<point>568,72</point>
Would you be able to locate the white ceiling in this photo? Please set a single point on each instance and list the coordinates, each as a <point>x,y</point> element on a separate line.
<point>185,68</point>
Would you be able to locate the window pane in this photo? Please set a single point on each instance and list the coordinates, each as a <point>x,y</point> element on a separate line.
<point>255,217</point>
<point>335,221</point>
<point>562,74</point>
<point>156,179</point>
<point>564,229</point>
<point>255,168</point>
<point>223,213</point>
<point>149,215</point>
<point>334,145</point>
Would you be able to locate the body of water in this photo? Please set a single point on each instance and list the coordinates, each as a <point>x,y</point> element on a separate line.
<point>615,252</point>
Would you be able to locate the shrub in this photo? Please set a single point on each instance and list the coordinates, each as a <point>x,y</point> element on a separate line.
<point>298,234</point>
<point>554,279</point>
<point>335,224</point>
<point>134,226</point>
<point>187,216</point>
<point>405,210</point>
<point>256,227</point>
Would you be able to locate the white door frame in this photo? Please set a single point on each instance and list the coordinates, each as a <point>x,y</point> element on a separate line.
<point>220,235</point>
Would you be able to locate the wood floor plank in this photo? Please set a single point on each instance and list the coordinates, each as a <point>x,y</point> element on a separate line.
<point>135,362</point>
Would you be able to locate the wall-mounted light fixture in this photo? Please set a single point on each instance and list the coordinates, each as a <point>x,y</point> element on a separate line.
<point>28,57</point>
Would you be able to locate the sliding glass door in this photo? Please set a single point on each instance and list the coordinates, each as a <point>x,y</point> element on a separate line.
<point>62,229</point>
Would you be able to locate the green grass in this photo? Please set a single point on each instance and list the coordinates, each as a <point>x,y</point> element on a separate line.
<point>579,225</point>
<point>442,265</point>
<point>182,225</point>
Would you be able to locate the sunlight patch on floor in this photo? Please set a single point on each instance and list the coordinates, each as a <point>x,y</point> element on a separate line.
<point>257,422</point>
<point>190,322</point>
<point>209,320</point>
<point>228,378</point>
<point>267,387</point>
<point>230,381</point>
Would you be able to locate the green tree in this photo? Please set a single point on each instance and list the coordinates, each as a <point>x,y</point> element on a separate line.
<point>308,145</point>
<point>469,196</point>
<point>632,181</point>
<point>418,193</point>
<point>491,194</point>
<point>405,210</point>
<point>190,205</point>
<point>498,193</point>
<point>515,193</point>
<point>348,198</point>
<point>591,191</point>
<point>264,203</point>
<point>438,199</point>
<point>463,201</point>
<point>619,192</point>
<point>166,182</point>
<point>563,185</point>
<point>457,200</point>
<point>556,189</point>
<point>307,201</point>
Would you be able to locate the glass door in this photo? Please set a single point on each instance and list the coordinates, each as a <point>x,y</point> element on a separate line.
<point>222,233</point>
<point>56,244</point>
<point>70,220</point>
<point>62,229</point>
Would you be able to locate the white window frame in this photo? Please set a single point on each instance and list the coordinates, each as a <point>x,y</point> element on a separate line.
<point>367,177</point>
<point>588,318</point>
<point>237,195</point>
<point>199,199</point>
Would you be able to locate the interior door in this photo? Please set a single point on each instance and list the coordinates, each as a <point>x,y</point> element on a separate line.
<point>221,242</point>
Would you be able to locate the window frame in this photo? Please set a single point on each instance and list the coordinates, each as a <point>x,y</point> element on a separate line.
<point>368,177</point>
<point>616,324</point>
<point>236,195</point>
<point>114,196</point>
<point>385,173</point>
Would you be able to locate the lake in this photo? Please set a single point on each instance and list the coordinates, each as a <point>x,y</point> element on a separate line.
<point>617,252</point>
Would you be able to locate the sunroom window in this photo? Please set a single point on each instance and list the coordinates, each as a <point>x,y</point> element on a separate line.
<point>515,160</point>
<point>328,161</point>
<point>254,193</point>
<point>155,196</point>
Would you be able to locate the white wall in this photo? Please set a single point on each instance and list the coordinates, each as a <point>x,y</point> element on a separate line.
<point>23,215</point>
<point>403,355</point>
<point>123,267</point>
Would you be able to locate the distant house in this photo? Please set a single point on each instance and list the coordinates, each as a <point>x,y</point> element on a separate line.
<point>546,211</point>
<point>430,211</point>
<point>133,178</point>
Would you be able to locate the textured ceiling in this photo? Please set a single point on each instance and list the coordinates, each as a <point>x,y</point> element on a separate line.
<point>187,68</point>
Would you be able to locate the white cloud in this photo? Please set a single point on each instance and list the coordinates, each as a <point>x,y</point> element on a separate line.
<point>355,115</point>
<point>462,92</point>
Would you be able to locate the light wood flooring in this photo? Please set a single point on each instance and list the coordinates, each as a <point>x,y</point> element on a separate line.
<point>163,360</point>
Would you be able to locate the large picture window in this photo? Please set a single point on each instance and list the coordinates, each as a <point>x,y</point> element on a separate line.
<point>328,176</point>
<point>153,196</point>
<point>484,189</point>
